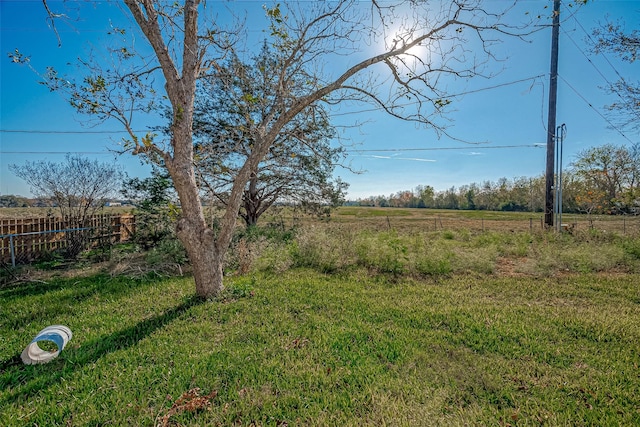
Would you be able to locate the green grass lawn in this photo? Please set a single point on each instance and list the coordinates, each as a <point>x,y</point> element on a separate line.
<point>349,349</point>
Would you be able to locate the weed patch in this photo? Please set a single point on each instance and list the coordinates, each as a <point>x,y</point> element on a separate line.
<point>331,249</point>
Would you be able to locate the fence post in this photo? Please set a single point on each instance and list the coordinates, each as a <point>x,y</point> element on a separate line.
<point>12,250</point>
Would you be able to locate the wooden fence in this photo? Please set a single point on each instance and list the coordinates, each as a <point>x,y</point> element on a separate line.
<point>26,239</point>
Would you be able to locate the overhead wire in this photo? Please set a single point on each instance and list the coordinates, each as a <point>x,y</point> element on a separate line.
<point>573,15</point>
<point>614,127</point>
<point>382,150</point>
<point>615,70</point>
<point>611,85</point>
<point>474,147</point>
<point>566,33</point>
<point>58,152</point>
<point>53,132</point>
<point>68,132</point>
<point>368,110</point>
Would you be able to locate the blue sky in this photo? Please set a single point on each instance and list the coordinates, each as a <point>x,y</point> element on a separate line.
<point>37,124</point>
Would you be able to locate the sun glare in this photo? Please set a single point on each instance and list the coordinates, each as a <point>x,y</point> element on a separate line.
<point>401,36</point>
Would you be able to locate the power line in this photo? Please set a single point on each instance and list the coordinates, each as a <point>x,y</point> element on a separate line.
<point>595,109</point>
<point>495,86</point>
<point>594,42</point>
<point>58,152</point>
<point>381,150</point>
<point>97,132</point>
<point>66,132</point>
<point>474,147</point>
<point>448,96</point>
<point>611,86</point>
<point>566,33</point>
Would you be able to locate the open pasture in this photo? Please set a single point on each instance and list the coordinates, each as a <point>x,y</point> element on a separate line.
<point>407,218</point>
<point>439,219</point>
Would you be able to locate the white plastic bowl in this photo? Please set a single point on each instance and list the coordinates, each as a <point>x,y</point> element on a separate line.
<point>58,334</point>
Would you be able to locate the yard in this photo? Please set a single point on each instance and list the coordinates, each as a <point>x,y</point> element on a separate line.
<point>305,348</point>
<point>341,325</point>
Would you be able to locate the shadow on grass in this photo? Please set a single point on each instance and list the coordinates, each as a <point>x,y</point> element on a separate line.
<point>99,283</point>
<point>33,379</point>
<point>61,296</point>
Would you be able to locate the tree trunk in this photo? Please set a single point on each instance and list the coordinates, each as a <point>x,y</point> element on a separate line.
<point>250,214</point>
<point>251,201</point>
<point>205,257</point>
<point>250,220</point>
<point>207,272</point>
<point>205,252</point>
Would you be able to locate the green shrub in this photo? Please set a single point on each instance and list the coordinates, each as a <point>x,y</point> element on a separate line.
<point>240,290</point>
<point>49,259</point>
<point>585,258</point>
<point>315,248</point>
<point>169,251</point>
<point>274,258</point>
<point>385,252</point>
<point>478,260</point>
<point>270,232</point>
<point>448,235</point>
<point>632,247</point>
<point>434,266</point>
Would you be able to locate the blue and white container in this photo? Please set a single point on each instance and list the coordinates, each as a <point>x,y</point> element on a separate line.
<point>58,334</point>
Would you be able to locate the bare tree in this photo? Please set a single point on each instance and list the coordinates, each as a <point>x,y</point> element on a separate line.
<point>79,187</point>
<point>398,56</point>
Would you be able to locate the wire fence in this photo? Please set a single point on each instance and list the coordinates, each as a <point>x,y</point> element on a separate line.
<point>621,225</point>
<point>25,240</point>
<point>573,224</point>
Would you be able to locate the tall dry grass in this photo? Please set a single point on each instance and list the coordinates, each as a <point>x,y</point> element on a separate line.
<point>337,247</point>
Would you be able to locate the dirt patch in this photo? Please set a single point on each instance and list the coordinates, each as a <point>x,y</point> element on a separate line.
<point>510,267</point>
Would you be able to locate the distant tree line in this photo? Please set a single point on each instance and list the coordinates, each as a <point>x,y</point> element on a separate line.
<point>17,201</point>
<point>12,201</point>
<point>601,180</point>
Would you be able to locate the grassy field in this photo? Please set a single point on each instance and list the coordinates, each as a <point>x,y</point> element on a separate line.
<point>440,219</point>
<point>428,219</point>
<point>305,348</point>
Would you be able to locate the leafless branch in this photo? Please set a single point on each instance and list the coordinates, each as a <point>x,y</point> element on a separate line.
<point>52,20</point>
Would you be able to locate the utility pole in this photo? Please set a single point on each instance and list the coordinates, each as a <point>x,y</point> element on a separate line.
<point>551,122</point>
